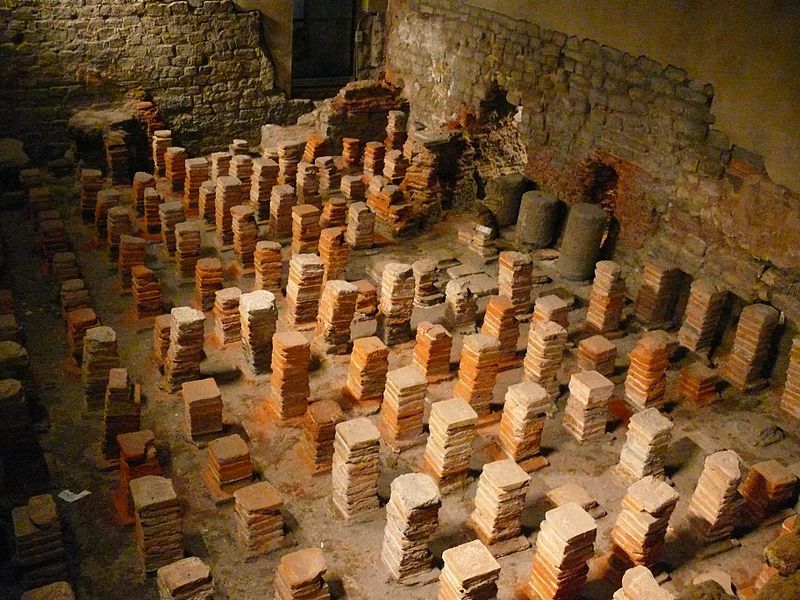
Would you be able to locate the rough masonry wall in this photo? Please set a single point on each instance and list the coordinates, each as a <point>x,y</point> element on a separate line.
<point>203,63</point>
<point>683,191</point>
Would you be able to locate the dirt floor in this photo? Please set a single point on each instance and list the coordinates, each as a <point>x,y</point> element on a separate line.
<point>105,564</point>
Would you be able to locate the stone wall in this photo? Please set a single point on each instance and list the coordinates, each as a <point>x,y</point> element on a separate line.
<point>683,191</point>
<point>203,63</point>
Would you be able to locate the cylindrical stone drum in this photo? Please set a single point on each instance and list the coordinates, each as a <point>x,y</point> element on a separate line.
<point>580,246</point>
<point>538,218</point>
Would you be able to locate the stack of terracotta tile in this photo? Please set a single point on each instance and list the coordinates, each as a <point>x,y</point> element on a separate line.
<point>316,145</point>
<point>14,415</point>
<point>307,184</point>
<point>586,413</point>
<point>146,291</point>
<point>461,305</point>
<point>303,290</point>
<point>131,254</point>
<point>646,382</point>
<point>412,516</point>
<point>268,266</point>
<point>58,590</point>
<point>170,214</point>
<point>334,213</point>
<point>367,301</point>
<point>374,154</point>
<point>282,201</point>
<point>118,223</point>
<point>470,573</point>
<point>546,341</point>
<point>395,166</point>
<point>500,323</point>
<point>597,353</point>
<point>330,179</point>
<point>396,303</point>
<point>366,375</point>
<point>790,399</point>
<point>227,325</point>
<point>182,362</point>
<point>100,354</point>
<point>356,453</point>
<point>698,384</point>
<point>425,291</point>
<point>477,372</point>
<point>305,229</point>
<point>64,265</point>
<point>403,407</point>
<point>396,125</point>
<point>115,143</point>
<point>175,165</point>
<point>10,331</point>
<point>208,278</point>
<point>197,172</point>
<point>121,413</point>
<point>220,164</point>
<point>52,238</point>
<point>334,252</point>
<point>91,183</point>
<point>646,445</point>
<point>319,430</point>
<point>607,299</point>
<point>351,152</point>
<point>14,361</point>
<point>258,315</point>
<point>521,425</point>
<point>551,308</point>
<point>482,242</point>
<point>187,247</point>
<point>202,403</point>
<point>229,194</point>
<point>162,139</point>
<point>289,388</point>
<point>141,181</point>
<point>336,311</point>
<point>432,351</point>
<point>703,312</point>
<point>186,579</point>
<point>79,321</point>
<point>499,502</point>
<point>514,279</point>
<point>360,231</point>
<point>152,202</point>
<point>299,576</point>
<point>449,447</point>
<point>74,296</point>
<point>245,234</point>
<point>259,520</point>
<point>241,168</point>
<point>159,535</point>
<point>106,199</point>
<point>229,461</point>
<point>714,507</point>
<point>657,291</point>
<point>393,212</point>
<point>563,548</point>
<point>768,488</point>
<point>641,527</point>
<point>353,188</point>
<point>638,583</point>
<point>161,333</point>
<point>265,177</point>
<point>38,542</point>
<point>40,202</point>
<point>743,368</point>
<point>288,157</point>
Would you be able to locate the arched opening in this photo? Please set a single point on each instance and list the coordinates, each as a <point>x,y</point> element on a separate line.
<point>603,191</point>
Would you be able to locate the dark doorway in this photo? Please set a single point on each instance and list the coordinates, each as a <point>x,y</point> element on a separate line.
<point>322,46</point>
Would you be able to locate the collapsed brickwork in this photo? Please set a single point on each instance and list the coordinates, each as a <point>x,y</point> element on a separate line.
<point>203,63</point>
<point>682,192</point>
